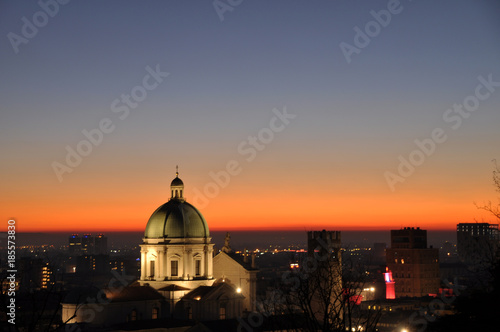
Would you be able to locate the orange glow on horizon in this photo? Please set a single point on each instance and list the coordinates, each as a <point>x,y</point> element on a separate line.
<point>118,206</point>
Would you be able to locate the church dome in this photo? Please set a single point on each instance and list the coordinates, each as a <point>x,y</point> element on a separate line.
<point>176,218</point>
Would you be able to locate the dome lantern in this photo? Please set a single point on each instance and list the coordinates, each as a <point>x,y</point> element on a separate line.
<point>177,187</point>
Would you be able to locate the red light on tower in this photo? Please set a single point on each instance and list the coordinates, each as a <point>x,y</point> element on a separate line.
<point>390,294</point>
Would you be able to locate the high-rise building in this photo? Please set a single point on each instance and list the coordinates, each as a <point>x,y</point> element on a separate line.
<point>47,276</point>
<point>414,267</point>
<point>100,244</point>
<point>75,244</point>
<point>87,244</point>
<point>30,269</point>
<point>477,243</point>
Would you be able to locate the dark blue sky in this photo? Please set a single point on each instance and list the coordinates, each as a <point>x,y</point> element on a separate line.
<point>225,77</point>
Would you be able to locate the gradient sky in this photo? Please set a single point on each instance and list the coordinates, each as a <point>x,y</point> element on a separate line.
<point>325,169</point>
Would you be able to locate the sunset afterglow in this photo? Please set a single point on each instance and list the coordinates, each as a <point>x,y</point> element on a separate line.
<point>279,116</point>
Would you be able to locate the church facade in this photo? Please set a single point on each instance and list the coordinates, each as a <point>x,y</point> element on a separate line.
<point>178,278</point>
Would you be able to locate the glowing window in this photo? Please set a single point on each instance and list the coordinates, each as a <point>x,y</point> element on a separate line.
<point>155,313</point>
<point>222,311</point>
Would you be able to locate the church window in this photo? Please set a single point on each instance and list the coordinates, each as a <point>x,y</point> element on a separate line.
<point>190,313</point>
<point>222,311</point>
<point>174,268</point>
<point>197,264</point>
<point>151,269</point>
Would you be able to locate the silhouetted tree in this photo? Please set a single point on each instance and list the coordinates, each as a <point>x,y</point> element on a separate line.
<point>476,309</point>
<point>321,296</point>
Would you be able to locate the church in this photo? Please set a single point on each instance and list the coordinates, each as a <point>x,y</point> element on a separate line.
<point>180,277</point>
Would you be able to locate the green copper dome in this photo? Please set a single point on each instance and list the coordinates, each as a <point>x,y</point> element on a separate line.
<point>176,218</point>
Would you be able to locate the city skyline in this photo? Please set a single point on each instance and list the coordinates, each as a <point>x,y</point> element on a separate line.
<point>281,115</point>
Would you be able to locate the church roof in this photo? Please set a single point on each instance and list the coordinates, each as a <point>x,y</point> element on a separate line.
<point>173,288</point>
<point>176,218</point>
<point>134,293</point>
<point>200,291</point>
<point>176,182</point>
<point>206,292</point>
<point>237,259</point>
<point>128,293</point>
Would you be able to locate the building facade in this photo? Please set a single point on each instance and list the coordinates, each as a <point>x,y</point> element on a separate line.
<point>414,267</point>
<point>177,274</point>
<point>324,266</point>
<point>477,243</point>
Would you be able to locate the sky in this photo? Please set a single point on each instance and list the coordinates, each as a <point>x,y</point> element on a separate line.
<point>280,114</point>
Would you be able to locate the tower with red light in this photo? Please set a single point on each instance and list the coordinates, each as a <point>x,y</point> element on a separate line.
<point>390,293</point>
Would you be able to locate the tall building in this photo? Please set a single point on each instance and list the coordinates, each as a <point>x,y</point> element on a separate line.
<point>477,243</point>
<point>47,276</point>
<point>31,273</point>
<point>100,244</point>
<point>87,244</point>
<point>324,264</point>
<point>414,267</point>
<point>75,244</point>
